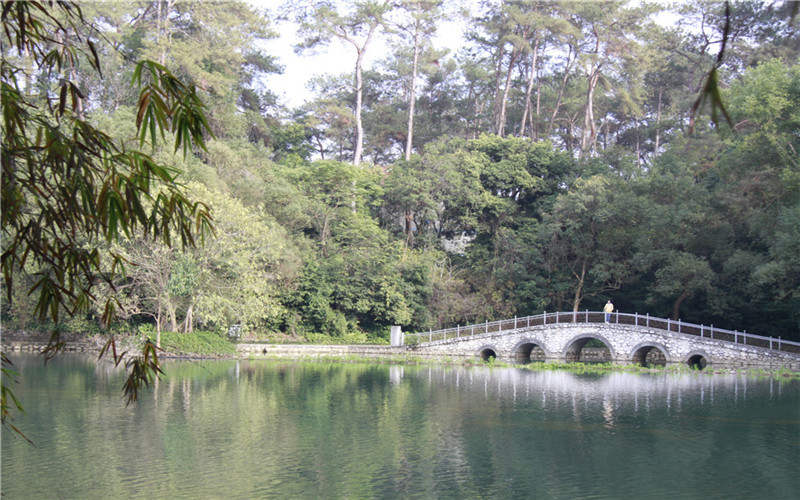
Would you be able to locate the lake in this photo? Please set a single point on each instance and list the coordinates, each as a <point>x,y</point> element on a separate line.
<point>269,429</point>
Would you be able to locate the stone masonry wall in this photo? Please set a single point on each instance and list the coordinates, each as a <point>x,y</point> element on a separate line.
<point>310,351</point>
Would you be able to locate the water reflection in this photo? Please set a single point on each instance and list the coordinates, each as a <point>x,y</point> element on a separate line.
<point>244,429</point>
<point>562,386</point>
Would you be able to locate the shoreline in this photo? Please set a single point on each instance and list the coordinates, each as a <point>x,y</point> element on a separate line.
<point>384,354</point>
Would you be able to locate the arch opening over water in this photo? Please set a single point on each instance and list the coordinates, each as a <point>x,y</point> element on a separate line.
<point>590,348</point>
<point>528,351</point>
<point>697,362</point>
<point>650,354</point>
<point>487,353</point>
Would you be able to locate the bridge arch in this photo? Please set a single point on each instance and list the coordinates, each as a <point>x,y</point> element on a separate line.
<point>698,359</point>
<point>488,351</point>
<point>522,351</point>
<point>572,352</point>
<point>639,353</point>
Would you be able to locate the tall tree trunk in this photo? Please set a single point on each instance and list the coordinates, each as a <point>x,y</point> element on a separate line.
<point>676,306</point>
<point>324,235</point>
<point>529,89</point>
<point>576,302</point>
<point>412,98</point>
<point>28,69</point>
<point>638,147</point>
<point>501,118</point>
<point>658,122</point>
<point>567,69</point>
<point>159,26</point>
<point>173,319</point>
<point>589,133</point>
<point>359,145</point>
<point>535,128</point>
<point>359,88</point>
<point>158,325</point>
<point>477,110</point>
<point>498,94</point>
<point>163,32</point>
<point>409,226</point>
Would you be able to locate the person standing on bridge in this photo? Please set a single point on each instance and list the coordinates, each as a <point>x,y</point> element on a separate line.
<point>608,309</point>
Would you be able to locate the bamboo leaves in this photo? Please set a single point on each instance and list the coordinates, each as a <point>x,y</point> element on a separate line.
<point>166,103</point>
<point>68,188</point>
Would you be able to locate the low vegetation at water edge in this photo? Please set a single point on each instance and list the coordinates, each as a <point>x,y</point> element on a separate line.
<point>197,343</point>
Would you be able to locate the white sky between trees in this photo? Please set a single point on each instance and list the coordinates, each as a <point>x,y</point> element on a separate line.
<point>334,59</point>
<point>339,57</point>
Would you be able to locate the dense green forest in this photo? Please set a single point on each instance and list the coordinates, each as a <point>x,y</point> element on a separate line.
<point>568,153</point>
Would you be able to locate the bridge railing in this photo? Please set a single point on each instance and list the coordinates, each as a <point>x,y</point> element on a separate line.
<point>772,343</point>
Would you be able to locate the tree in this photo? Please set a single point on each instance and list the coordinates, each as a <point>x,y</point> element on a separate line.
<point>587,249</point>
<point>210,43</point>
<point>320,22</point>
<point>526,26</point>
<point>146,287</point>
<point>543,24</point>
<point>240,272</point>
<point>418,26</point>
<point>495,29</point>
<point>408,197</point>
<point>329,118</point>
<point>332,188</point>
<point>680,240</point>
<point>681,275</point>
<point>607,29</point>
<point>757,188</point>
<point>67,187</point>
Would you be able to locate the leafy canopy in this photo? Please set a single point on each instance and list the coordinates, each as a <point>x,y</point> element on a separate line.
<point>67,187</point>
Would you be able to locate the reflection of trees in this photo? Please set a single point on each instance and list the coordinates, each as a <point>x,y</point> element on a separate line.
<point>338,430</point>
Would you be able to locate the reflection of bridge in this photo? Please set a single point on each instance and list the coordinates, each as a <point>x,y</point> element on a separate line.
<point>628,338</point>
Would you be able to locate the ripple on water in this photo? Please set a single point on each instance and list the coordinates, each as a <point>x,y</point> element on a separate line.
<point>336,431</point>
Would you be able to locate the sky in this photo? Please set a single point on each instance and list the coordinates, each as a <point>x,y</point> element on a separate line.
<point>336,58</point>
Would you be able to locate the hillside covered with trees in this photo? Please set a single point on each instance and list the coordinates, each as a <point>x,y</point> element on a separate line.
<point>567,154</point>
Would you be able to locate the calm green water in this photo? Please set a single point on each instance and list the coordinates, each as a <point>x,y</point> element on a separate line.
<point>227,429</point>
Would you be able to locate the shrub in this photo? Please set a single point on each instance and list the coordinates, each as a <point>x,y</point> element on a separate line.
<point>348,338</point>
<point>199,342</point>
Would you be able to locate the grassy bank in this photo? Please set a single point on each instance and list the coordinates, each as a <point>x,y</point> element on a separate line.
<point>198,343</point>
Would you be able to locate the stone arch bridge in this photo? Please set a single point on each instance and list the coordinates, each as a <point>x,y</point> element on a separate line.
<point>628,338</point>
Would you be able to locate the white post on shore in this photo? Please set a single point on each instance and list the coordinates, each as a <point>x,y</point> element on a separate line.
<point>396,337</point>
